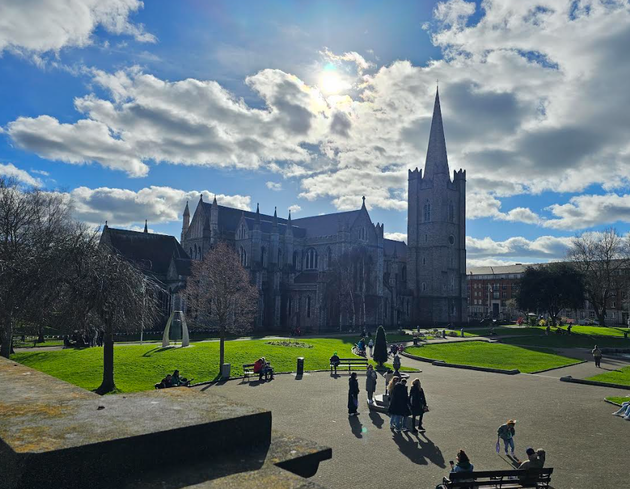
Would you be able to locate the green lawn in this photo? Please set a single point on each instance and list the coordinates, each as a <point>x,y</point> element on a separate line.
<point>618,400</point>
<point>508,331</point>
<point>493,355</point>
<point>615,377</point>
<point>569,341</point>
<point>139,367</point>
<point>30,343</point>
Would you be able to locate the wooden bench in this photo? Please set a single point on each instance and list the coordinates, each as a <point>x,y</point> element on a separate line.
<point>350,362</point>
<point>499,479</point>
<point>248,369</point>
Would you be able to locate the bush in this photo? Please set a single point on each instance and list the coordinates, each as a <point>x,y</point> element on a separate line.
<point>380,347</point>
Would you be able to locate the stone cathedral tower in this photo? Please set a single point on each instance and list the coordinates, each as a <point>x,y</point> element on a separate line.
<point>436,234</point>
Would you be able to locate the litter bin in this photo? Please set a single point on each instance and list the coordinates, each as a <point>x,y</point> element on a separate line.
<point>300,366</point>
<point>225,370</point>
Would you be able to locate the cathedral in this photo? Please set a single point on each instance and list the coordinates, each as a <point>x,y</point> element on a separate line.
<point>338,271</point>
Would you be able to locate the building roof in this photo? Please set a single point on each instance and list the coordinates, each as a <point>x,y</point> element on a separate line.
<point>399,247</point>
<point>151,252</point>
<point>267,227</point>
<point>500,270</point>
<point>327,224</point>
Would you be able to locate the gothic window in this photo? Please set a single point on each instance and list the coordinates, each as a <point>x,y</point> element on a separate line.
<point>243,255</point>
<point>191,253</point>
<point>242,233</point>
<point>262,256</point>
<point>329,257</point>
<point>308,306</point>
<point>427,211</point>
<point>451,212</point>
<point>404,274</point>
<point>196,252</point>
<point>424,286</point>
<point>310,260</point>
<point>295,259</point>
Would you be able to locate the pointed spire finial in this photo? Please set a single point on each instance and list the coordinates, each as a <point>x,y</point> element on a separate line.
<point>200,197</point>
<point>275,212</point>
<point>257,212</point>
<point>146,227</point>
<point>186,210</point>
<point>363,206</point>
<point>214,201</point>
<point>289,216</point>
<point>105,223</point>
<point>437,160</point>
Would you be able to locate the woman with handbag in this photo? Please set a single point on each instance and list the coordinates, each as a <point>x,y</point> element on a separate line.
<point>353,394</point>
<point>418,405</point>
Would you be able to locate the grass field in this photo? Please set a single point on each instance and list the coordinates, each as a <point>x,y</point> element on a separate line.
<point>139,367</point>
<point>569,341</point>
<point>493,355</point>
<point>30,343</point>
<point>618,400</point>
<point>615,377</point>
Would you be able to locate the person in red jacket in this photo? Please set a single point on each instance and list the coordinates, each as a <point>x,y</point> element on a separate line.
<point>259,368</point>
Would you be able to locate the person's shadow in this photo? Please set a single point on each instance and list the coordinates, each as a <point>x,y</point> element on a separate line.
<point>432,451</point>
<point>376,419</point>
<point>356,426</point>
<point>419,451</point>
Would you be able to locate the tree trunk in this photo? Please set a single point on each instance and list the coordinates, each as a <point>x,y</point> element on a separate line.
<point>6,336</point>
<point>40,334</point>
<point>108,363</point>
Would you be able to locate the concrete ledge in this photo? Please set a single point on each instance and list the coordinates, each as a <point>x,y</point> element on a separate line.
<point>440,363</point>
<point>557,368</point>
<point>568,378</point>
<point>416,357</point>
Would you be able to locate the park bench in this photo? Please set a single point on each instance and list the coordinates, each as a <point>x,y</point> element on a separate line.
<point>499,479</point>
<point>248,369</point>
<point>350,362</point>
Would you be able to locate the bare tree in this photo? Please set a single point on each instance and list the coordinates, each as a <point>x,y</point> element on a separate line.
<point>219,293</point>
<point>603,259</point>
<point>35,228</point>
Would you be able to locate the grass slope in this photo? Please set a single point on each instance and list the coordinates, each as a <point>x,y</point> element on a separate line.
<point>139,367</point>
<point>481,354</point>
<point>569,341</point>
<point>615,377</point>
<point>618,400</point>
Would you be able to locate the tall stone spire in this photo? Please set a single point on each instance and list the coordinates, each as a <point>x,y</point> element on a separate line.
<point>146,227</point>
<point>437,161</point>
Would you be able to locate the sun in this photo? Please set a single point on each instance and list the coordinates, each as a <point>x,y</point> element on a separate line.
<point>330,83</point>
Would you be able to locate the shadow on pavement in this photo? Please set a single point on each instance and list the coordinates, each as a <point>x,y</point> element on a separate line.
<point>419,451</point>
<point>376,419</point>
<point>356,426</point>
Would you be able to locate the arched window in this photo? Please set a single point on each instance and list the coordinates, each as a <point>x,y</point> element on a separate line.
<point>310,259</point>
<point>196,252</point>
<point>308,306</point>
<point>424,286</point>
<point>242,232</point>
<point>427,211</point>
<point>404,274</point>
<point>243,255</point>
<point>295,259</point>
<point>262,256</point>
<point>191,253</point>
<point>451,212</point>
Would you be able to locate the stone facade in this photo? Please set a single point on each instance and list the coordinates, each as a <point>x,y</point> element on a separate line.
<point>436,235</point>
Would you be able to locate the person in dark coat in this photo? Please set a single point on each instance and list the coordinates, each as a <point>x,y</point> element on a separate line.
<point>370,383</point>
<point>353,394</point>
<point>417,403</point>
<point>399,406</point>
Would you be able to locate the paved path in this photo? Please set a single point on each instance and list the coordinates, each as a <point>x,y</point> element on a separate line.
<point>585,444</point>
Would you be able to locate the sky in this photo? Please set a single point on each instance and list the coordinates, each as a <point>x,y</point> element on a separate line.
<point>134,108</point>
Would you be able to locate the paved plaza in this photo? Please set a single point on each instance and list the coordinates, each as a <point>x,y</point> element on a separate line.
<point>586,446</point>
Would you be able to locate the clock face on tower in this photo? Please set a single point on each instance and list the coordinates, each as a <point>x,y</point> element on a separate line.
<point>451,239</point>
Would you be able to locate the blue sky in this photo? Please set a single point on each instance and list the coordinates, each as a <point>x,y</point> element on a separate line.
<point>134,108</point>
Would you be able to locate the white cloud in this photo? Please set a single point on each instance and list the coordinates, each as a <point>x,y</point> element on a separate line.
<point>40,26</point>
<point>41,172</point>
<point>294,209</point>
<point>396,236</point>
<point>490,262</point>
<point>542,248</point>
<point>12,171</point>
<point>585,211</point>
<point>275,186</point>
<point>510,81</point>
<point>158,205</point>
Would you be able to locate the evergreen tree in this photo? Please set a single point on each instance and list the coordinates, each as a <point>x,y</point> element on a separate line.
<point>380,347</point>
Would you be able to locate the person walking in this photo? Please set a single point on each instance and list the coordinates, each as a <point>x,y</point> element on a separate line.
<point>417,405</point>
<point>370,383</point>
<point>506,432</point>
<point>390,395</point>
<point>398,406</point>
<point>371,346</point>
<point>353,394</point>
<point>597,356</point>
<point>396,362</point>
<point>389,375</point>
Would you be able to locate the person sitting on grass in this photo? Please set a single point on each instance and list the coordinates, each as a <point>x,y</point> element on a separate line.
<point>624,411</point>
<point>177,381</point>
<point>334,362</point>
<point>166,382</point>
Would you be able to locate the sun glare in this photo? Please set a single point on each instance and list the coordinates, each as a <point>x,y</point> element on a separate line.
<point>330,83</point>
